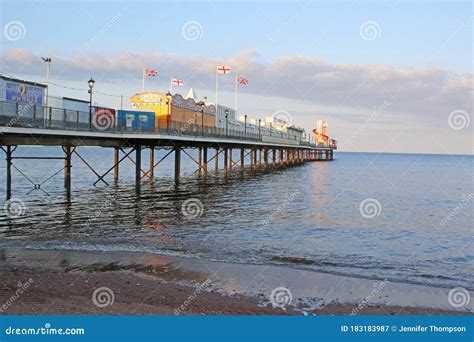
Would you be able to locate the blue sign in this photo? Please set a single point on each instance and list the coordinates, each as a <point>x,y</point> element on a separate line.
<point>24,94</point>
<point>237,329</point>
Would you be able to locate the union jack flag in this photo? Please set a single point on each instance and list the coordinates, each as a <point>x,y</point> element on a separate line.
<point>242,80</point>
<point>151,72</point>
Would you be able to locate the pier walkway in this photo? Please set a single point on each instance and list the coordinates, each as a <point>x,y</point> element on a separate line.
<point>25,125</point>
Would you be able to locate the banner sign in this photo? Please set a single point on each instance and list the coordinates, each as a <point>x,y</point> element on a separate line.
<point>24,94</point>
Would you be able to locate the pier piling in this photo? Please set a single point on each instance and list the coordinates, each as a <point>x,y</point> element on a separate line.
<point>138,166</point>
<point>177,163</point>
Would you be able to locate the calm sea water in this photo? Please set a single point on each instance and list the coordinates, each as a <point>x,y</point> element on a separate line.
<point>366,215</point>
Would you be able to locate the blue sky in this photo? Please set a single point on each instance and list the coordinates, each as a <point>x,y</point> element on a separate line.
<point>309,58</point>
<point>412,32</point>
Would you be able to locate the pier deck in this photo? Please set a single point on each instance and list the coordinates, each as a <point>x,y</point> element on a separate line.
<point>33,125</point>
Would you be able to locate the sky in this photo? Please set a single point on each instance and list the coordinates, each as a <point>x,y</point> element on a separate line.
<point>387,76</point>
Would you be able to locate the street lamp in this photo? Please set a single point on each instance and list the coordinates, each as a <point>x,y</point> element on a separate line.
<point>168,116</point>
<point>226,121</point>
<point>259,122</point>
<point>91,83</point>
<point>202,105</point>
<point>271,126</point>
<point>245,126</point>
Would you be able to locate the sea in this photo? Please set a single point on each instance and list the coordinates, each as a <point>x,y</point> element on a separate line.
<point>401,217</point>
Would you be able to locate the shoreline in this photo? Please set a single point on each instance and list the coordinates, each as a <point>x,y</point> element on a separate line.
<point>64,282</point>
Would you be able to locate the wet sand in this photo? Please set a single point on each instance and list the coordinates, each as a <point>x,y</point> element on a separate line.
<point>55,282</point>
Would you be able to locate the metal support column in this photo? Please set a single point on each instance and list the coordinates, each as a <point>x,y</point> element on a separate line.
<point>199,159</point>
<point>265,158</point>
<point>230,158</point>
<point>138,166</point>
<point>152,162</point>
<point>177,163</point>
<point>116,164</point>
<point>242,158</point>
<point>67,170</point>
<point>204,160</point>
<point>226,159</point>
<point>216,159</point>
<point>9,172</point>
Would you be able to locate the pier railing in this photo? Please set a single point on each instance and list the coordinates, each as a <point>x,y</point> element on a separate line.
<point>34,116</point>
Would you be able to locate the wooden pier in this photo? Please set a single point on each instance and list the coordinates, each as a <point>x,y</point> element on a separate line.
<point>262,155</point>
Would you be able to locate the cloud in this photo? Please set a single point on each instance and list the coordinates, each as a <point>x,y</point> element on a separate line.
<point>420,96</point>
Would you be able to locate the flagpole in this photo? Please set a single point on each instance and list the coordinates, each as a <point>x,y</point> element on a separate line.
<point>217,84</point>
<point>236,89</point>
<point>143,79</point>
<point>171,86</point>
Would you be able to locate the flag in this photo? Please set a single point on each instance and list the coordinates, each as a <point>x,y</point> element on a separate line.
<point>223,69</point>
<point>177,82</point>
<point>151,72</point>
<point>242,80</point>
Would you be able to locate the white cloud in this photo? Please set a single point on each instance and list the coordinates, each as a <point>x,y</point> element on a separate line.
<point>346,94</point>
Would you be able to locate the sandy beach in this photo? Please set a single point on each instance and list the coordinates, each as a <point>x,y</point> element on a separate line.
<point>53,282</point>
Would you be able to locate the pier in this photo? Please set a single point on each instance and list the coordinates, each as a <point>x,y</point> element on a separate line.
<point>32,125</point>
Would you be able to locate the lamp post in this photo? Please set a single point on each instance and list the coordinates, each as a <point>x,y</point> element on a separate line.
<point>91,83</point>
<point>168,106</point>
<point>271,126</point>
<point>259,122</point>
<point>47,60</point>
<point>202,106</point>
<point>226,121</point>
<point>245,126</point>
